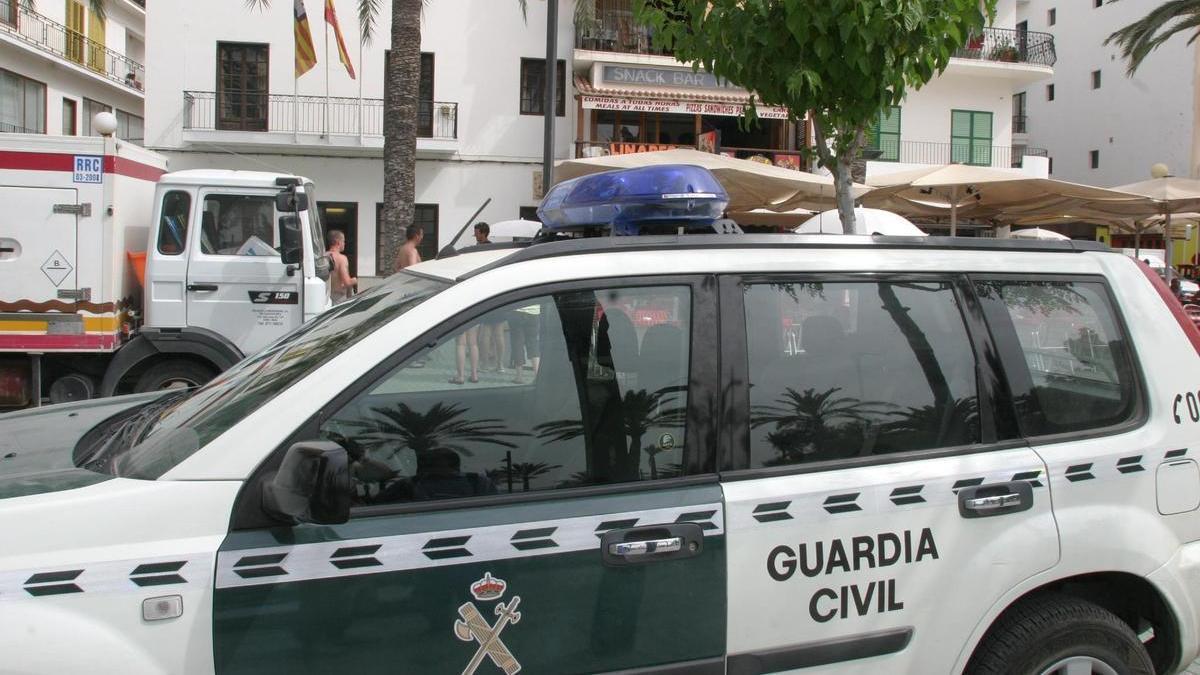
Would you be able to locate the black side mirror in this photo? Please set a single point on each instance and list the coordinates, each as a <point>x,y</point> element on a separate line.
<point>290,242</point>
<point>291,202</point>
<point>312,485</point>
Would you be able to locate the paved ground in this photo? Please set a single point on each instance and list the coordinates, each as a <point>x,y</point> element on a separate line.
<point>1193,669</point>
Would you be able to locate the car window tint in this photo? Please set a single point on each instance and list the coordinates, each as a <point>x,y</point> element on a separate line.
<point>1075,371</point>
<point>571,389</point>
<point>855,369</point>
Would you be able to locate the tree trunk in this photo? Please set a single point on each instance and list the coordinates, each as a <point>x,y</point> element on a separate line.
<point>839,166</point>
<point>401,82</point>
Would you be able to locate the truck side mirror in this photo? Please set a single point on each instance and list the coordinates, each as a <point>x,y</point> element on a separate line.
<point>291,243</point>
<point>312,485</point>
<point>289,201</point>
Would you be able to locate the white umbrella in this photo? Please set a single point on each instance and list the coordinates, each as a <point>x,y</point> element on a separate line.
<point>513,230</point>
<point>866,221</point>
<point>1038,233</point>
<point>751,185</point>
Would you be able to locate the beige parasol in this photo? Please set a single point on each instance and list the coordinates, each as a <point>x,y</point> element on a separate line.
<point>751,185</point>
<point>959,189</point>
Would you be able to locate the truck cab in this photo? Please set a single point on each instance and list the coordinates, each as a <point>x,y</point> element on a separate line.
<point>235,260</point>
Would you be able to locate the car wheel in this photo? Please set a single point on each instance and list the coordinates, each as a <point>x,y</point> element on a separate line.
<point>1060,635</point>
<point>173,374</point>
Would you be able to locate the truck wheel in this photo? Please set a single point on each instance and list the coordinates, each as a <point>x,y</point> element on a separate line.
<point>173,374</point>
<point>1060,635</point>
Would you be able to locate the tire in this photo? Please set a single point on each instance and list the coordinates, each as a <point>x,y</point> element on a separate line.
<point>172,374</point>
<point>1041,635</point>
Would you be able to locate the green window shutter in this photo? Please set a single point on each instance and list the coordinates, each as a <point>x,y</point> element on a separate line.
<point>884,134</point>
<point>971,137</point>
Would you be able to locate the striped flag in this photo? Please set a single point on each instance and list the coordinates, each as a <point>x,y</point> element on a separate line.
<point>306,55</point>
<point>331,20</point>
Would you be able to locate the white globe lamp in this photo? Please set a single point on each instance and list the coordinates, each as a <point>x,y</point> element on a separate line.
<point>1160,170</point>
<point>105,123</point>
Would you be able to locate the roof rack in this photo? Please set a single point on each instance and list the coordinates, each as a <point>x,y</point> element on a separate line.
<point>586,246</point>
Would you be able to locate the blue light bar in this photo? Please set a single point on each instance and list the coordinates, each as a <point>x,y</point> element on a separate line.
<point>630,200</point>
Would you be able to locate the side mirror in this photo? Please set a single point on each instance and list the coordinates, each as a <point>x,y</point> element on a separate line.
<point>291,202</point>
<point>291,243</point>
<point>312,485</point>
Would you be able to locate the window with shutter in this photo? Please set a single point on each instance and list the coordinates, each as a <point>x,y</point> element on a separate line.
<point>885,134</point>
<point>971,137</point>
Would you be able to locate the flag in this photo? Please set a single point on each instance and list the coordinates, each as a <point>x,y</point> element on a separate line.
<point>306,55</point>
<point>331,20</point>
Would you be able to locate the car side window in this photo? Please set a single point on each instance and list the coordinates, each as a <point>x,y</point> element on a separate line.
<point>238,225</point>
<point>1074,371</point>
<point>854,369</point>
<point>567,389</point>
<point>173,223</point>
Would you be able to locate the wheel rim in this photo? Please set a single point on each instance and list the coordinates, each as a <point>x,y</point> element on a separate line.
<point>185,383</point>
<point>1080,665</point>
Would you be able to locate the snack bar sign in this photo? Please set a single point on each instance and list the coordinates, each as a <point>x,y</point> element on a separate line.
<point>88,169</point>
<point>681,107</point>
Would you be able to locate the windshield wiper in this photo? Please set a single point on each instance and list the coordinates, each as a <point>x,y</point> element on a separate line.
<point>129,432</point>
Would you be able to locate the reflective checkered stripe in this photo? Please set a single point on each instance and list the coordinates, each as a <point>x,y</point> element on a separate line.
<point>171,573</point>
<point>285,564</point>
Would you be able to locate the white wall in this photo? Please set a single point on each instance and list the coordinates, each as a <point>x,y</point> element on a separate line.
<point>925,113</point>
<point>477,47</point>
<point>1133,122</point>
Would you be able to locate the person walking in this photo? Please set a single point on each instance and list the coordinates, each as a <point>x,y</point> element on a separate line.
<point>341,283</point>
<point>408,254</point>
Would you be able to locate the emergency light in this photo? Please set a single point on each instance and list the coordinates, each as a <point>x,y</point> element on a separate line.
<point>636,201</point>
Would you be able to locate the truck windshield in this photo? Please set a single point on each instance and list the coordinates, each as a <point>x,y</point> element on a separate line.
<point>314,221</point>
<point>189,423</point>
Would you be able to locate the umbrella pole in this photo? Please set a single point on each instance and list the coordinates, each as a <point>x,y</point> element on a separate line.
<point>954,211</point>
<point>1137,240</point>
<point>1167,245</point>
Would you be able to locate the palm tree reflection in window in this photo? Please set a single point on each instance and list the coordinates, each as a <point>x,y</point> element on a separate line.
<point>811,426</point>
<point>439,438</point>
<point>640,412</point>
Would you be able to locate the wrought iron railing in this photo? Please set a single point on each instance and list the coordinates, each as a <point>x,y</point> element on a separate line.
<point>963,152</point>
<point>1009,45</point>
<point>334,115</point>
<point>6,128</point>
<point>609,26</point>
<point>53,37</point>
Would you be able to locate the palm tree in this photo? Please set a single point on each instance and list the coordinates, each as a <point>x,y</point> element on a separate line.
<point>1143,36</point>
<point>811,422</point>
<point>402,76</point>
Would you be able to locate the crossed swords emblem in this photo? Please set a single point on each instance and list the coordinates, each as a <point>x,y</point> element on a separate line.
<point>473,626</point>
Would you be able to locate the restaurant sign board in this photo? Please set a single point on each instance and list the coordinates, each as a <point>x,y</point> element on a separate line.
<point>682,107</point>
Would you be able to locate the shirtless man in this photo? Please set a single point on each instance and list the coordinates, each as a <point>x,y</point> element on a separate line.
<point>408,254</point>
<point>342,284</point>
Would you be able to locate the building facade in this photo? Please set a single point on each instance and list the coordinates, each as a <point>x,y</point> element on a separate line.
<point>1099,125</point>
<point>60,64</point>
<point>227,97</point>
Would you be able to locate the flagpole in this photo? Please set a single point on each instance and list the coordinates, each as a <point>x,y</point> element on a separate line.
<point>360,99</point>
<point>326,79</point>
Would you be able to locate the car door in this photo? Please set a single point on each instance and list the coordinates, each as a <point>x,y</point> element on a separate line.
<point>876,506</point>
<point>560,516</point>
<point>237,284</point>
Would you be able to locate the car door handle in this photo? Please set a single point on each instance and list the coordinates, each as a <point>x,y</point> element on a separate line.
<point>651,544</point>
<point>202,287</point>
<point>995,499</point>
<point>648,547</point>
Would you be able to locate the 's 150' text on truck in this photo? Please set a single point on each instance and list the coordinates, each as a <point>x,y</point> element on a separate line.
<point>232,261</point>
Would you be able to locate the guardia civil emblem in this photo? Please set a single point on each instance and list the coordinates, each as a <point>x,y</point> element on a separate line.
<point>473,626</point>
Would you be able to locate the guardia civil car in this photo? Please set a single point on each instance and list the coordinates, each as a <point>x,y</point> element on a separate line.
<point>700,453</point>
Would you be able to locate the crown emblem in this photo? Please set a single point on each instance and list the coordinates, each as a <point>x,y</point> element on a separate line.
<point>488,588</point>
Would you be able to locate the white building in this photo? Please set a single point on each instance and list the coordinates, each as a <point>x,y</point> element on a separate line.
<point>1100,126</point>
<point>226,97</point>
<point>60,64</point>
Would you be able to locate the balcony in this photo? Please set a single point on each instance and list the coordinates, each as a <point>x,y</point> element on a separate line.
<point>1005,45</point>
<point>273,119</point>
<point>922,152</point>
<point>610,27</point>
<point>51,37</point>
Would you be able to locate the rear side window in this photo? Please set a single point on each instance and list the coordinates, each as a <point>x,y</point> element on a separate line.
<point>856,369</point>
<point>173,223</point>
<point>1066,357</point>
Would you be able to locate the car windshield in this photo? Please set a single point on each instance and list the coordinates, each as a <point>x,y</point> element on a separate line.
<point>187,425</point>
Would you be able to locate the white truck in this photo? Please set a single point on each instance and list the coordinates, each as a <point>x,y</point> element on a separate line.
<point>118,277</point>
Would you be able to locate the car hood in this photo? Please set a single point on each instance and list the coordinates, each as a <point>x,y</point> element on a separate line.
<point>37,445</point>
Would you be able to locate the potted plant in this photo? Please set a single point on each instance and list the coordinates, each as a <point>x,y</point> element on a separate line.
<point>1005,51</point>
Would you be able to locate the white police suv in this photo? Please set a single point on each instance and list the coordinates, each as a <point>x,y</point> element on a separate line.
<point>673,453</point>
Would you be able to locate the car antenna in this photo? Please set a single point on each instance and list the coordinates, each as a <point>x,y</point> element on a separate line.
<point>448,249</point>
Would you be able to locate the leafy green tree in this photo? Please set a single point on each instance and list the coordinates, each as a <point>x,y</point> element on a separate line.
<point>1148,33</point>
<point>840,61</point>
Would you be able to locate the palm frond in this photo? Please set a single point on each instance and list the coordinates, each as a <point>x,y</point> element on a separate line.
<point>1143,36</point>
<point>368,19</point>
<point>258,4</point>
